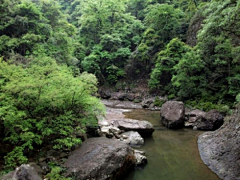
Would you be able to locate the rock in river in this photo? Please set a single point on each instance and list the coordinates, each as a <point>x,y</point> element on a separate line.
<point>133,138</point>
<point>144,128</point>
<point>172,113</point>
<point>220,149</point>
<point>201,120</point>
<point>100,159</point>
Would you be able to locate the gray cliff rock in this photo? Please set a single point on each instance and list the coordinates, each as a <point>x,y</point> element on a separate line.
<point>100,159</point>
<point>172,114</point>
<point>220,149</point>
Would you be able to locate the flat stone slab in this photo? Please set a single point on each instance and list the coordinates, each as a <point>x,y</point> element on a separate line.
<point>144,128</point>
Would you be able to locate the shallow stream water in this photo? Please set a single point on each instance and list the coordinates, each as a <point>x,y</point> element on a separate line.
<point>171,154</point>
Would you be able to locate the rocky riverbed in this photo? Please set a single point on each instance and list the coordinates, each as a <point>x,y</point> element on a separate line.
<point>219,149</point>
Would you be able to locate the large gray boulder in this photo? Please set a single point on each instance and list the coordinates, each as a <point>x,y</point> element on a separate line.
<point>220,149</point>
<point>100,159</point>
<point>144,128</point>
<point>24,172</point>
<point>172,114</point>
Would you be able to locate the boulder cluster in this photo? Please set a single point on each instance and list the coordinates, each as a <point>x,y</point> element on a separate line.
<point>174,115</point>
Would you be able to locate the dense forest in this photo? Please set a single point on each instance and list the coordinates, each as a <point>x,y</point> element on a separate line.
<point>55,53</point>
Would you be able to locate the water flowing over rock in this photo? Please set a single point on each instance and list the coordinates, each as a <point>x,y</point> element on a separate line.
<point>220,149</point>
<point>144,128</point>
<point>172,113</point>
<point>101,159</point>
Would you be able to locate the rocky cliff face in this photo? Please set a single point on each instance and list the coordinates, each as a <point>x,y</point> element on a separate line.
<point>220,149</point>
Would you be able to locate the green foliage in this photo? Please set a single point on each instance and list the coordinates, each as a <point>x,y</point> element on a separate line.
<point>164,70</point>
<point>218,42</point>
<point>188,78</point>
<point>158,102</point>
<point>45,103</point>
<point>207,106</point>
<point>55,173</point>
<point>15,157</point>
<point>164,19</point>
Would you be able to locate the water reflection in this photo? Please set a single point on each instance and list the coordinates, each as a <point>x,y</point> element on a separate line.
<point>172,154</point>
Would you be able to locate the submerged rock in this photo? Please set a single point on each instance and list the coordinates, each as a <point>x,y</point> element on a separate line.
<point>220,149</point>
<point>101,159</point>
<point>144,128</point>
<point>172,113</point>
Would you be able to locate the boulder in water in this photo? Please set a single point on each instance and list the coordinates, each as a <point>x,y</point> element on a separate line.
<point>172,114</point>
<point>100,158</point>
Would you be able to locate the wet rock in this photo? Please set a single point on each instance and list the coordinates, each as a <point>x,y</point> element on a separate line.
<point>215,118</point>
<point>130,96</point>
<point>141,159</point>
<point>204,121</point>
<point>122,104</point>
<point>219,149</point>
<point>100,158</point>
<point>144,128</point>
<point>110,131</point>
<point>119,96</point>
<point>133,138</point>
<point>24,172</point>
<point>172,114</point>
<point>147,102</point>
<point>194,117</point>
<point>105,94</point>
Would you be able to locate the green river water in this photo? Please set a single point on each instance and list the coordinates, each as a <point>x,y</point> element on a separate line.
<point>171,154</point>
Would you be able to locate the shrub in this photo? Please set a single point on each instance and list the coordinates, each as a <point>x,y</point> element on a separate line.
<point>45,103</point>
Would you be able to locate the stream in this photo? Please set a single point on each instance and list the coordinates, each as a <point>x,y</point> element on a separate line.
<point>171,154</point>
